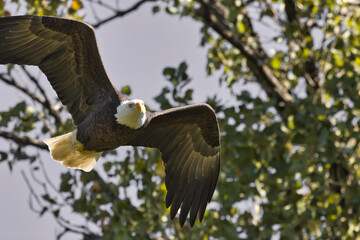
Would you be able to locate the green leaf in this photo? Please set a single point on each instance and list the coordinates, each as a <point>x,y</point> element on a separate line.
<point>169,71</point>
<point>56,213</point>
<point>188,94</point>
<point>182,69</point>
<point>156,9</point>
<point>65,185</point>
<point>44,210</point>
<point>240,27</point>
<point>276,62</point>
<point>107,166</point>
<point>172,10</point>
<point>162,99</point>
<point>47,198</point>
<point>3,156</point>
<point>126,90</point>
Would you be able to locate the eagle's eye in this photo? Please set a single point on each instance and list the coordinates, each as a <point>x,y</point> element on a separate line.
<point>131,105</point>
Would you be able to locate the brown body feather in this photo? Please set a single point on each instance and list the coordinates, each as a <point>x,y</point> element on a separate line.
<point>66,51</point>
<point>100,131</point>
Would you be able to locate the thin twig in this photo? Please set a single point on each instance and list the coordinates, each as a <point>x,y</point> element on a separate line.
<point>33,96</point>
<point>121,13</point>
<point>102,4</point>
<point>104,186</point>
<point>48,180</point>
<point>35,81</point>
<point>46,103</point>
<point>94,12</point>
<point>32,192</point>
<point>47,125</point>
<point>272,86</point>
<point>64,223</point>
<point>15,84</point>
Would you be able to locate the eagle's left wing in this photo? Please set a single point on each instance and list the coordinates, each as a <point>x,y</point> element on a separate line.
<point>188,138</point>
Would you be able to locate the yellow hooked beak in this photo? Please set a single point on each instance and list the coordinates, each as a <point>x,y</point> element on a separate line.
<point>138,105</point>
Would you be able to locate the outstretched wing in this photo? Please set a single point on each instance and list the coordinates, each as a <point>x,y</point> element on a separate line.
<point>66,51</point>
<point>188,138</point>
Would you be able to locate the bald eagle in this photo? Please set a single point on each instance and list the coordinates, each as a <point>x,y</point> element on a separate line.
<point>66,52</point>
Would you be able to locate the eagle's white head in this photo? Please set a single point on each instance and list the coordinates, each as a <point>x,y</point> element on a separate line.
<point>131,113</point>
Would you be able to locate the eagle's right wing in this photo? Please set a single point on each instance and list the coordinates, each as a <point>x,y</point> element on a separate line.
<point>66,51</point>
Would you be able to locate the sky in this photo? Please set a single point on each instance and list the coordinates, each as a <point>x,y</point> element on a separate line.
<point>135,50</point>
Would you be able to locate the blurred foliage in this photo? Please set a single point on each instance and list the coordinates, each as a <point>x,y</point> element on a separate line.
<point>290,166</point>
<point>68,8</point>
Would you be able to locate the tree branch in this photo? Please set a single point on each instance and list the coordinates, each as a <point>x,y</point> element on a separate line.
<point>290,10</point>
<point>311,70</point>
<point>65,224</point>
<point>120,13</point>
<point>23,140</point>
<point>46,103</point>
<point>273,87</point>
<point>13,83</point>
<point>33,96</point>
<point>104,186</point>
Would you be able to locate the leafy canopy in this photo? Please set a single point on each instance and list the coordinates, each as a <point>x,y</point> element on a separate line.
<point>290,148</point>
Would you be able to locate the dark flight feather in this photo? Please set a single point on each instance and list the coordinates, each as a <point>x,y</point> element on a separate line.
<point>192,156</point>
<point>66,51</point>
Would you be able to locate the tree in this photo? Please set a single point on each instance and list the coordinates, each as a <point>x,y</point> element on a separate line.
<point>292,150</point>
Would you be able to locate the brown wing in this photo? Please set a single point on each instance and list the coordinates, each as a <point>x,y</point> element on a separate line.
<point>188,138</point>
<point>66,51</point>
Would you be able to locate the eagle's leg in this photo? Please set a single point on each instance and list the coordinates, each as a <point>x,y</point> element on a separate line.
<point>70,152</point>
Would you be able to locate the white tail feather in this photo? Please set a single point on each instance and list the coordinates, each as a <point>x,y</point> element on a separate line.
<point>70,152</point>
